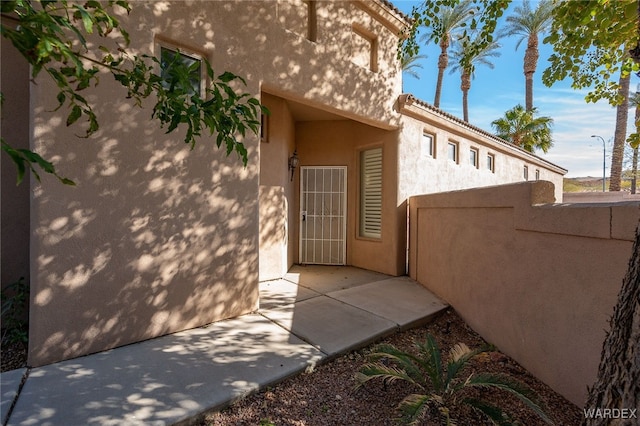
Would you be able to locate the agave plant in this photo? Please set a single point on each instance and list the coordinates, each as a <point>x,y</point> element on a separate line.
<point>440,384</point>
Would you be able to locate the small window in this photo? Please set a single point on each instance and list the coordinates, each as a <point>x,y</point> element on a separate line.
<point>312,34</point>
<point>473,157</point>
<point>371,193</point>
<point>364,49</point>
<point>491,162</point>
<point>428,146</point>
<point>264,128</point>
<point>452,151</point>
<point>171,58</point>
<point>526,173</point>
<point>537,174</point>
<point>298,16</point>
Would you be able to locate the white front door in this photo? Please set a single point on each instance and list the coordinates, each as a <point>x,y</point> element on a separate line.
<point>323,207</point>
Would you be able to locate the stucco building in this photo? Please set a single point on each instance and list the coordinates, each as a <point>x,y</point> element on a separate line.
<point>156,239</point>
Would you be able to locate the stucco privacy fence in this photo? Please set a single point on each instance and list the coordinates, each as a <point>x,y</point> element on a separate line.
<point>537,279</point>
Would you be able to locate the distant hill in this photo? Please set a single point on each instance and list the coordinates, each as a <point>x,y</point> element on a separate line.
<point>589,184</point>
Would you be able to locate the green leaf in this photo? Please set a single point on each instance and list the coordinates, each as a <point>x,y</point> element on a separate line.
<point>76,112</point>
<point>66,181</point>
<point>87,19</point>
<point>227,77</point>
<point>61,97</point>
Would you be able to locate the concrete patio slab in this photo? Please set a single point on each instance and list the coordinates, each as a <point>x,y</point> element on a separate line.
<point>165,380</point>
<point>332,326</point>
<point>175,378</point>
<point>398,299</point>
<point>324,279</point>
<point>282,292</point>
<point>9,387</point>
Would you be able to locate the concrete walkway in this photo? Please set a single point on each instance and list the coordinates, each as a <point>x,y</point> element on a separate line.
<point>313,314</point>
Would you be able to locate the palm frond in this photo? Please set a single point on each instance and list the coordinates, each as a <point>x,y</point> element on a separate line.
<point>404,360</point>
<point>388,374</point>
<point>496,415</point>
<point>459,356</point>
<point>458,351</point>
<point>514,387</point>
<point>524,129</point>
<point>526,21</point>
<point>413,406</point>
<point>432,362</point>
<point>449,21</point>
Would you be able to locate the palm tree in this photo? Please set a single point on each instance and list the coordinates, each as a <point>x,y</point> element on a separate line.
<point>409,64</point>
<point>442,30</point>
<point>467,58</point>
<point>620,134</point>
<point>523,129</point>
<point>527,23</point>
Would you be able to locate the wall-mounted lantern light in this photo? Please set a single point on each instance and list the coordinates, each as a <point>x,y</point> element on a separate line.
<point>293,163</point>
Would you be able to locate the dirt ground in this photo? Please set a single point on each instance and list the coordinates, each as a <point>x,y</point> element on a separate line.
<point>326,396</point>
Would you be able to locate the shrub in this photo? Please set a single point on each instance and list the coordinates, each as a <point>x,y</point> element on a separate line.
<point>441,385</point>
<point>15,297</point>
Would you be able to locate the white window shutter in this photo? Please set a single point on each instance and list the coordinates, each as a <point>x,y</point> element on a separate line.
<point>371,193</point>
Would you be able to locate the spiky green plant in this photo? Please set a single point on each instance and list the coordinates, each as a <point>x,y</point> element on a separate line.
<point>441,384</point>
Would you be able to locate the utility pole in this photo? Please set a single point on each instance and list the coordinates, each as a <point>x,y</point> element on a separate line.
<point>604,160</point>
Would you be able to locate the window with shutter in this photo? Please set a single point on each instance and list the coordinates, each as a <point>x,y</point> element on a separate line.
<point>371,193</point>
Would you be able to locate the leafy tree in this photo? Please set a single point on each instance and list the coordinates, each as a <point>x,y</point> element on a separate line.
<point>52,36</point>
<point>589,39</point>
<point>444,27</point>
<point>527,23</point>
<point>524,129</point>
<point>467,57</point>
<point>440,384</point>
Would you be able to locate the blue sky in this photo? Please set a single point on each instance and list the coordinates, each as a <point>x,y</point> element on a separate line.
<point>493,91</point>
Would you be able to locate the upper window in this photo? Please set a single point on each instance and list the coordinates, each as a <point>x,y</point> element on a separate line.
<point>428,145</point>
<point>526,173</point>
<point>452,151</point>
<point>298,16</point>
<point>364,49</point>
<point>177,65</point>
<point>537,174</point>
<point>371,193</point>
<point>491,162</point>
<point>473,157</point>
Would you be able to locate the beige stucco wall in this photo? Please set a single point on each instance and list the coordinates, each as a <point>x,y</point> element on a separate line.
<point>537,280</point>
<point>420,173</point>
<point>157,238</point>
<point>325,74</point>
<point>14,127</point>
<point>277,195</point>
